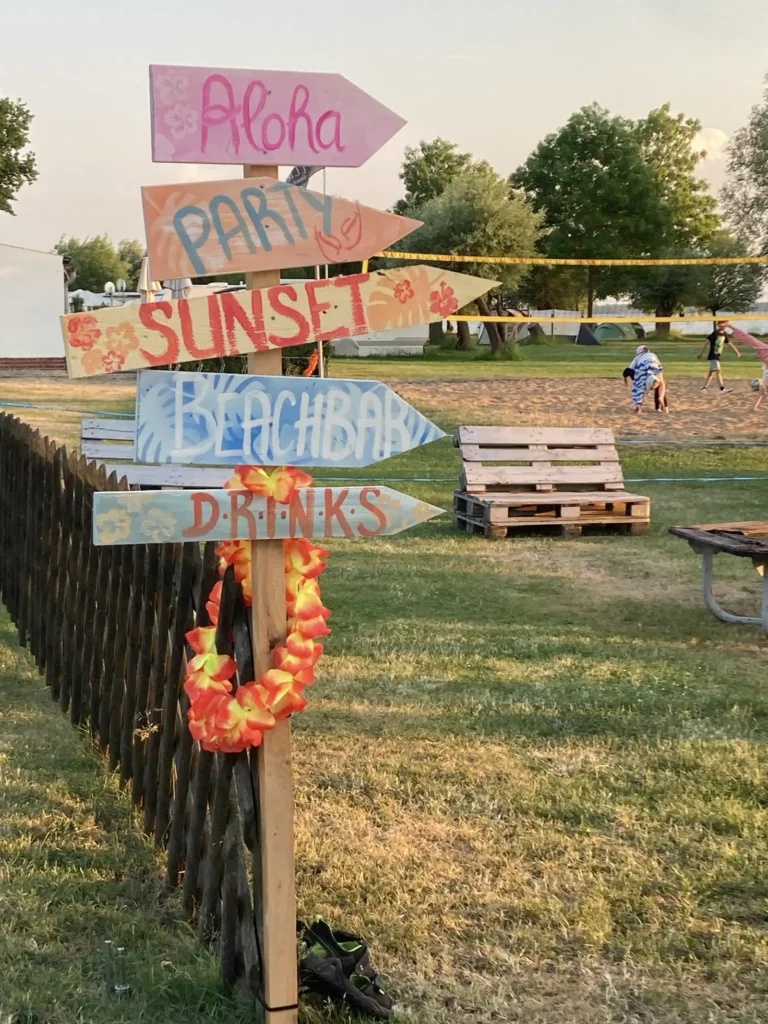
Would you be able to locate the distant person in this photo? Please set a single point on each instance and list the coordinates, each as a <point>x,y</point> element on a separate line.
<point>717,341</point>
<point>761,386</point>
<point>647,374</point>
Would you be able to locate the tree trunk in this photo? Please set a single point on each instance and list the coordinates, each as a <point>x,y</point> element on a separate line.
<point>495,336</point>
<point>464,337</point>
<point>436,333</point>
<point>662,310</point>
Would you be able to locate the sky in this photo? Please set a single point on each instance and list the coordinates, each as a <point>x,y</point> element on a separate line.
<point>495,83</point>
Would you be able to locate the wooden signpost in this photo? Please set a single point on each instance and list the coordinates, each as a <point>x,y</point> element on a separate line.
<point>222,227</point>
<point>268,318</point>
<point>231,116</point>
<point>173,517</point>
<point>260,119</point>
<point>220,419</point>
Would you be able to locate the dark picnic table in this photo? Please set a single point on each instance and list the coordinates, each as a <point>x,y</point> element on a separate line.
<point>744,540</point>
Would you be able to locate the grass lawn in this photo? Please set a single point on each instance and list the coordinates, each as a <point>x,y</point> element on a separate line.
<point>558,360</point>
<point>532,773</point>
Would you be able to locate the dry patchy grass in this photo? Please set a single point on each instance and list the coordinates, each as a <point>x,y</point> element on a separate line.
<point>532,773</point>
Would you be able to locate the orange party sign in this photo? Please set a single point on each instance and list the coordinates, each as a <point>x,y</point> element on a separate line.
<point>223,227</point>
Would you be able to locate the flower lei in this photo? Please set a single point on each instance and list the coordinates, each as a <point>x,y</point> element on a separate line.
<point>229,722</point>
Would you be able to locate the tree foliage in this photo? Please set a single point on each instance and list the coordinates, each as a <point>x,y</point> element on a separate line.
<point>132,254</point>
<point>745,193</point>
<point>427,170</point>
<point>17,168</point>
<point>666,145</point>
<point>735,287</point>
<point>614,188</point>
<point>666,290</point>
<point>474,216</point>
<point>96,261</point>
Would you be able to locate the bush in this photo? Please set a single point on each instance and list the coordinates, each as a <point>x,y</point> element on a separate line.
<point>509,352</point>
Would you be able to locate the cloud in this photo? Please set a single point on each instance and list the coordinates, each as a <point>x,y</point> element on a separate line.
<point>713,140</point>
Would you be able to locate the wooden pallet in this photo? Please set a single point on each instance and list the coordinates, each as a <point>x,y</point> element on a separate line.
<point>564,479</point>
<point>497,531</point>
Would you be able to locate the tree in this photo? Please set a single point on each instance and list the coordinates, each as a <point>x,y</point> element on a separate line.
<point>427,170</point>
<point>598,195</point>
<point>554,287</point>
<point>132,254</point>
<point>732,287</point>
<point>476,215</point>
<point>96,261</point>
<point>666,290</point>
<point>666,145</point>
<point>745,193</point>
<point>16,167</point>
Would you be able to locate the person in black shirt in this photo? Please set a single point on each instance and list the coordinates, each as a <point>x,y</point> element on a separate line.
<point>717,341</point>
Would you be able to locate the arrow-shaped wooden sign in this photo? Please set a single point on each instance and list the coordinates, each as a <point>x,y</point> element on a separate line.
<point>227,419</point>
<point>243,322</point>
<point>169,517</point>
<point>223,227</point>
<point>232,116</point>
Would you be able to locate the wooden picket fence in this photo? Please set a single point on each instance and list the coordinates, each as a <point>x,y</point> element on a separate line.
<point>106,626</point>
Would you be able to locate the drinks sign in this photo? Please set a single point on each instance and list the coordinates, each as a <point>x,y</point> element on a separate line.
<point>168,517</point>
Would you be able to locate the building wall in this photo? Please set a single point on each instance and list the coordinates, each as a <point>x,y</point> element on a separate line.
<point>31,302</point>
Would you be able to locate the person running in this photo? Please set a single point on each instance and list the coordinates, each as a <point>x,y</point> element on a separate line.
<point>647,374</point>
<point>717,341</point>
<point>762,350</point>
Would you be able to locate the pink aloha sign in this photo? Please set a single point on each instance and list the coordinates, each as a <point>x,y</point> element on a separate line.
<point>231,116</point>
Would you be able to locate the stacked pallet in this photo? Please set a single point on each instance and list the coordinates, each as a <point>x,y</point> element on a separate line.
<point>553,478</point>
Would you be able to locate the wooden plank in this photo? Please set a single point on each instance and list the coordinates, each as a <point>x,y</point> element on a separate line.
<point>743,546</point>
<point>154,334</point>
<point>154,517</point>
<point>511,525</point>
<point>597,453</point>
<point>134,640</point>
<point>235,115</point>
<point>82,624</point>
<point>752,528</point>
<point>160,668</point>
<point>98,636</point>
<point>73,507</point>
<point>147,634</point>
<point>556,436</point>
<point>207,478</point>
<point>108,450</point>
<point>106,429</point>
<point>94,478</point>
<point>119,651</point>
<point>206,572</point>
<point>553,498</point>
<point>505,475</point>
<point>233,419</point>
<point>203,228</point>
<point>274,873</point>
<point>172,688</point>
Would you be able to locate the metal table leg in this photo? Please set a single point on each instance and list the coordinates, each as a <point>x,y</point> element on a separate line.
<point>714,607</point>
